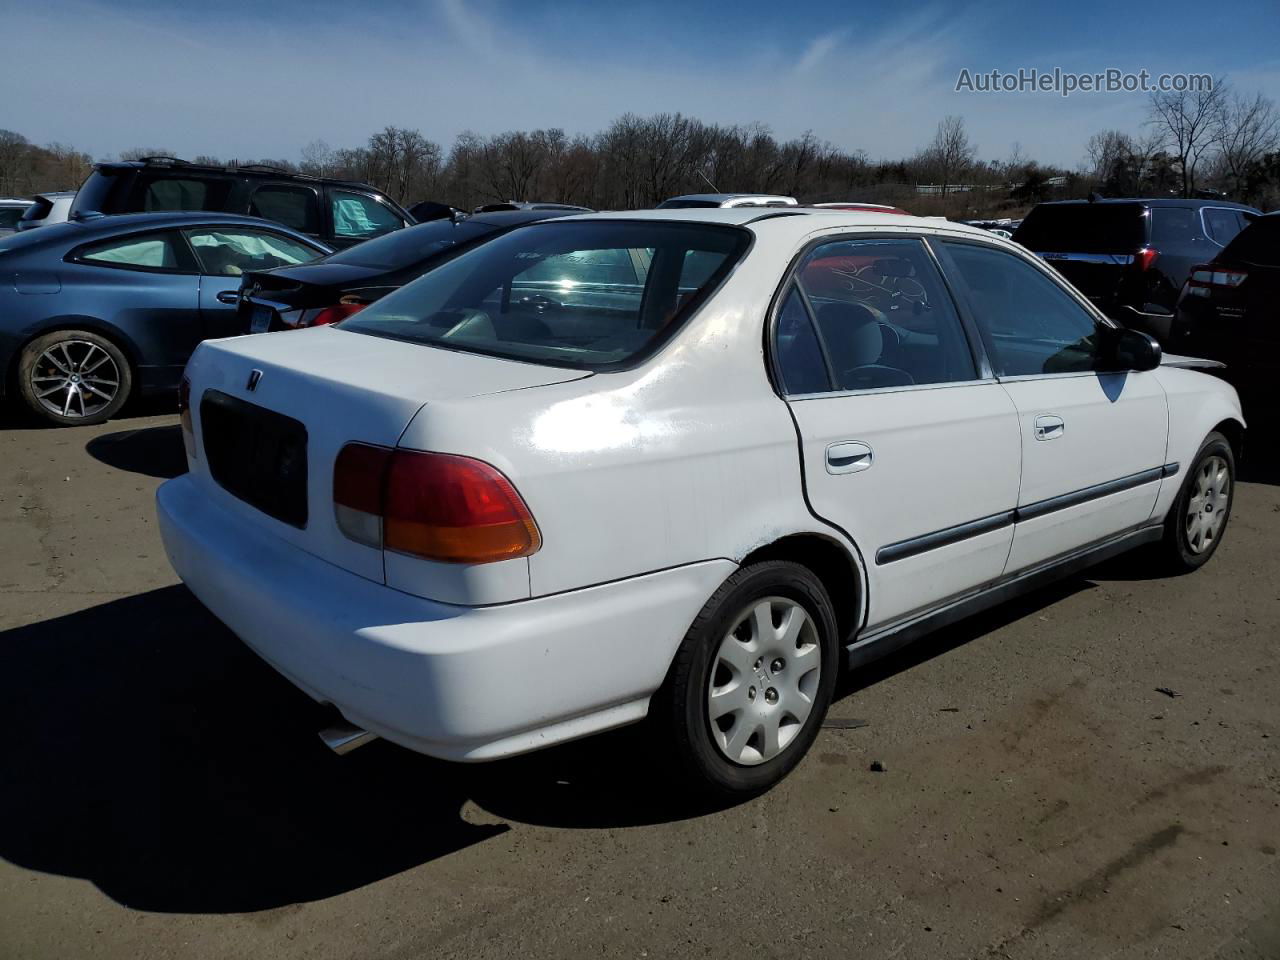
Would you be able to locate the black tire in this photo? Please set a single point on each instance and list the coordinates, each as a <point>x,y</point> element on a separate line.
<point>681,706</point>
<point>89,377</point>
<point>1179,551</point>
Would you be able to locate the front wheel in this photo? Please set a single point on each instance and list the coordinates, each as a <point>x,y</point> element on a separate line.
<point>72,377</point>
<point>751,683</point>
<point>1197,520</point>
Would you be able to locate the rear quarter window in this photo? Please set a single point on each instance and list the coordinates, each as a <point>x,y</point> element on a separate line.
<point>155,194</point>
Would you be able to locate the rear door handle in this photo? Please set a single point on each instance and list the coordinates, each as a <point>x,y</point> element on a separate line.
<point>849,456</point>
<point>229,296</point>
<point>1049,428</point>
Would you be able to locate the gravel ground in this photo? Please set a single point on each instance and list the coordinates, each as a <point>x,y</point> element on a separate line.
<point>163,793</point>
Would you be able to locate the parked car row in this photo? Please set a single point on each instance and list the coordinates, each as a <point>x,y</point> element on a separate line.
<point>682,464</point>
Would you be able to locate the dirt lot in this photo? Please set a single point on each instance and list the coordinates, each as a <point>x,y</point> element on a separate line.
<point>162,793</point>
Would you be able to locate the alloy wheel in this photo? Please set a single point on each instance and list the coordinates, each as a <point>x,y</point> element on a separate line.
<point>75,379</point>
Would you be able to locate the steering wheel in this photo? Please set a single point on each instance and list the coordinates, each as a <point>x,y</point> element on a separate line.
<point>869,376</point>
<point>539,303</point>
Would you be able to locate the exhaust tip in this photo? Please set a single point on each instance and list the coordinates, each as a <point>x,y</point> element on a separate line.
<point>344,737</point>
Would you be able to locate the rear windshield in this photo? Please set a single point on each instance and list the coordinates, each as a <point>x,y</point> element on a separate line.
<point>1258,243</point>
<point>569,293</point>
<point>402,248</point>
<point>1083,228</point>
<point>103,192</point>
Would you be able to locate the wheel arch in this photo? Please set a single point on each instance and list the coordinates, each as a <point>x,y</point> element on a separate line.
<point>833,563</point>
<point>1233,430</point>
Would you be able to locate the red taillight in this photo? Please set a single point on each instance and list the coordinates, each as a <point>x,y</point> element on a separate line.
<point>1146,257</point>
<point>359,478</point>
<point>1211,275</point>
<point>327,315</point>
<point>433,505</point>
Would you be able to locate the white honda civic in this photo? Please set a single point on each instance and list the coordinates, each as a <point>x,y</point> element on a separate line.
<point>683,464</point>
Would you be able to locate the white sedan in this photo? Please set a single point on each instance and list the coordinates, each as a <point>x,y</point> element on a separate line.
<point>683,464</point>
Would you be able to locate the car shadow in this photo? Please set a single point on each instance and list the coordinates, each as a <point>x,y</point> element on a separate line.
<point>151,451</point>
<point>151,753</point>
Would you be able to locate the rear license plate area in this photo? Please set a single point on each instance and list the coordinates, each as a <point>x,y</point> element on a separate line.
<point>257,455</point>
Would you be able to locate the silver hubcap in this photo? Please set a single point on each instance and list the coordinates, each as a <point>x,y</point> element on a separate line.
<point>75,378</point>
<point>763,680</point>
<point>1207,510</point>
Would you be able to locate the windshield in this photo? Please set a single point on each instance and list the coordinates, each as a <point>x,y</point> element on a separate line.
<point>400,248</point>
<point>1083,228</point>
<point>576,293</point>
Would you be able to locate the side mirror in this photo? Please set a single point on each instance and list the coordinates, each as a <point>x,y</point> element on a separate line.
<point>1135,350</point>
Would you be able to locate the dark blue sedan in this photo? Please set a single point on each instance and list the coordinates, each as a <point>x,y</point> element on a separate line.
<point>95,311</point>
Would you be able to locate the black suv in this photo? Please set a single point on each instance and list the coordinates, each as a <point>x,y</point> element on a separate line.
<point>1228,312</point>
<point>336,212</point>
<point>1131,257</point>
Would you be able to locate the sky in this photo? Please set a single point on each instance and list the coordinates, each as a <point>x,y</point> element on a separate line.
<point>252,80</point>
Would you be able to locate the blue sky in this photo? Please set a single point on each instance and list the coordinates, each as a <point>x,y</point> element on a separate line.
<point>249,79</point>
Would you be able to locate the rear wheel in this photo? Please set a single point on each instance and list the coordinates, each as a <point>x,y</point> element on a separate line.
<point>752,680</point>
<point>71,377</point>
<point>1197,520</point>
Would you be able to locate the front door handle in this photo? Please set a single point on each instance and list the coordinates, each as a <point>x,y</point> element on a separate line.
<point>1049,428</point>
<point>849,456</point>
<point>231,297</point>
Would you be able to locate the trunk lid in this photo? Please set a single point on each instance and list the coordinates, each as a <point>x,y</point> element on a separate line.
<point>271,413</point>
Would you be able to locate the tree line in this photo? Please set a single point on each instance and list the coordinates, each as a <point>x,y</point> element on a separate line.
<point>1217,142</point>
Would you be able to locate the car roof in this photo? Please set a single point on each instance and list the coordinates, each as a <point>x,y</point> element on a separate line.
<point>799,221</point>
<point>1152,202</point>
<point>514,218</point>
<point>722,197</point>
<point>90,228</point>
<point>248,170</point>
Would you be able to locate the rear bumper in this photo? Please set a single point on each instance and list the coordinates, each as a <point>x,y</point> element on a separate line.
<point>461,683</point>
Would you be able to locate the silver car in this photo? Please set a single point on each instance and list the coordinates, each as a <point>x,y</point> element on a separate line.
<point>48,208</point>
<point>11,209</point>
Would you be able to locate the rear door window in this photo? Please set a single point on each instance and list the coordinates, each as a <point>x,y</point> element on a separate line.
<point>233,251</point>
<point>357,217</point>
<point>150,251</point>
<point>1172,225</point>
<point>295,207</point>
<point>883,315</point>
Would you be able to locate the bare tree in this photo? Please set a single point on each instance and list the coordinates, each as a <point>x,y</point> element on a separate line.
<point>1106,151</point>
<point>1189,121</point>
<point>1247,131</point>
<point>15,163</point>
<point>317,159</point>
<point>951,151</point>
